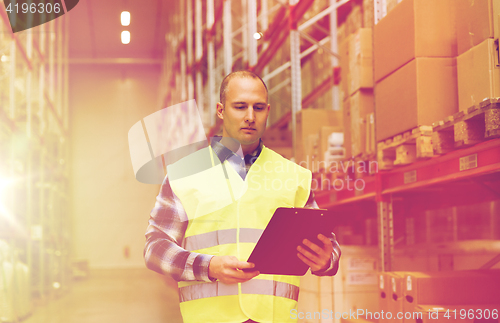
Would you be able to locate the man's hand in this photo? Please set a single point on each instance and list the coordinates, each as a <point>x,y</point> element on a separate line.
<point>228,269</point>
<point>321,258</point>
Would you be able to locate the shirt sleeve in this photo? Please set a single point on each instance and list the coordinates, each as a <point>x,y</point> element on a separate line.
<point>335,257</point>
<point>163,252</point>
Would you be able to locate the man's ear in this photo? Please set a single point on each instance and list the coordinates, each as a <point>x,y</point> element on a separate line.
<point>220,109</point>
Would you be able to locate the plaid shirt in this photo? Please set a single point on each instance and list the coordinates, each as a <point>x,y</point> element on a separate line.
<point>168,223</point>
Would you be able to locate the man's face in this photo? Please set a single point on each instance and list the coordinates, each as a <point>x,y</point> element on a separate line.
<point>245,111</point>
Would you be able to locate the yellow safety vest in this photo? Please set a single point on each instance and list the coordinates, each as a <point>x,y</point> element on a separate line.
<point>226,216</point>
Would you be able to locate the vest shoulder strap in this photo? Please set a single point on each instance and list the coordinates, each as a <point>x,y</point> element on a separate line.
<point>194,163</point>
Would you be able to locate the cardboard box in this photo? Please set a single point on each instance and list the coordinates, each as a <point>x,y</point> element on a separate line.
<point>476,22</point>
<point>368,13</point>
<point>478,72</point>
<point>309,121</point>
<point>420,93</point>
<point>355,19</point>
<point>324,133</point>
<point>344,67</point>
<point>371,142</point>
<point>451,288</point>
<point>391,294</point>
<point>360,60</point>
<point>311,150</point>
<point>356,283</point>
<point>361,104</point>
<point>341,33</point>
<point>414,28</point>
<point>346,117</point>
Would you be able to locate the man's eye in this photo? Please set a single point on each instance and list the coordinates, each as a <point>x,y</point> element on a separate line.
<point>240,107</point>
<point>258,108</point>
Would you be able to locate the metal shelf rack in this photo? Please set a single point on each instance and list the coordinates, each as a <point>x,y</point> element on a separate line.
<point>461,177</point>
<point>34,218</point>
<point>210,39</point>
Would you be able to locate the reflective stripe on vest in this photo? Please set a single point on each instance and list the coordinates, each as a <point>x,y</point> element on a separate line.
<point>254,286</point>
<point>214,238</point>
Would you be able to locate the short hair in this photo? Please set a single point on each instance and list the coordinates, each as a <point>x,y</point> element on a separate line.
<point>241,74</point>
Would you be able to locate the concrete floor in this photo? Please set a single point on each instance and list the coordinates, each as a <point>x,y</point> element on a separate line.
<point>114,295</point>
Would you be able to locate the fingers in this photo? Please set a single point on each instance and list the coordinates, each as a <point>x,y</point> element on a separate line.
<point>319,257</point>
<point>325,240</point>
<point>307,253</point>
<point>306,260</point>
<point>244,265</point>
<point>237,276</point>
<point>232,272</point>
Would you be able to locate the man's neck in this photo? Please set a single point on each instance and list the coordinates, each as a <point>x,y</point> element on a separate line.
<point>248,149</point>
<point>237,148</point>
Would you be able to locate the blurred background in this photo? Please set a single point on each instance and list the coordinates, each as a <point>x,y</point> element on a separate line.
<point>393,105</point>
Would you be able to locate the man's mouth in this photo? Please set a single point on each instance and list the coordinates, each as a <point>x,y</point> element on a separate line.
<point>248,128</point>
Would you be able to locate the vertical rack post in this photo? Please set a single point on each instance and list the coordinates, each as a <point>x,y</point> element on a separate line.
<point>189,48</point>
<point>228,41</point>
<point>386,234</point>
<point>380,10</point>
<point>198,56</point>
<point>41,89</point>
<point>335,49</point>
<point>252,29</point>
<point>264,24</point>
<point>12,83</point>
<point>296,82</point>
<point>245,36</point>
<point>183,58</point>
<point>184,93</point>
<point>211,60</point>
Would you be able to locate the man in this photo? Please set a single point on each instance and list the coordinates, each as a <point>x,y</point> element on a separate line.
<point>213,207</point>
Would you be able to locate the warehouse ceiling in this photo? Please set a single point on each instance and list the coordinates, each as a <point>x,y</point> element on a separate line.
<point>95,29</point>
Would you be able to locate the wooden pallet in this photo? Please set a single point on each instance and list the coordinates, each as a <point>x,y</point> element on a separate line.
<point>405,148</point>
<point>466,128</point>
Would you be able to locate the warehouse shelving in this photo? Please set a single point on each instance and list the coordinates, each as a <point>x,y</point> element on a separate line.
<point>461,177</point>
<point>213,41</point>
<point>34,219</point>
<point>216,38</point>
<point>436,171</point>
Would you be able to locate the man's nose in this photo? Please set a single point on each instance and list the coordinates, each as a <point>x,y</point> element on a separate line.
<point>250,117</point>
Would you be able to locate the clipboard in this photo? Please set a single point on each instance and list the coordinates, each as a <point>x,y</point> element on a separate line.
<point>276,250</point>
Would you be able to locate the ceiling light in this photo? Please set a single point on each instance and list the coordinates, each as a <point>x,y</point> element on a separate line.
<point>258,35</point>
<point>125,18</point>
<point>125,37</point>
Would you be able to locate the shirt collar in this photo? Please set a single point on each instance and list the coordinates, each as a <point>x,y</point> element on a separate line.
<point>225,153</point>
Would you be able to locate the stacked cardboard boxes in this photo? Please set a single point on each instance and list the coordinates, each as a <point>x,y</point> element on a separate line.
<point>309,124</point>
<point>356,284</point>
<point>478,61</point>
<point>476,22</point>
<point>391,294</point>
<point>426,293</point>
<point>360,59</point>
<point>415,52</point>
<point>357,86</point>
<point>361,107</point>
<point>356,64</point>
